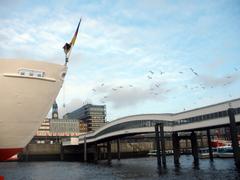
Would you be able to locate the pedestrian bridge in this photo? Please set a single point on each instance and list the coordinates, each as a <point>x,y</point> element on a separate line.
<point>197,119</point>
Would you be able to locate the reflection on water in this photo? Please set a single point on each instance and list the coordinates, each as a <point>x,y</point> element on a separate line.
<point>142,168</point>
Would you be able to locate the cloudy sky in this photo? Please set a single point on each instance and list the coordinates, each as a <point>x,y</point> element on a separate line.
<point>137,56</point>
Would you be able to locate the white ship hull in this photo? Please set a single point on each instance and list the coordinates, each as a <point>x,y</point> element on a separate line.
<point>27,91</point>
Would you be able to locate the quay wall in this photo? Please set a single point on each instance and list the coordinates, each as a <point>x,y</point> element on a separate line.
<point>128,148</point>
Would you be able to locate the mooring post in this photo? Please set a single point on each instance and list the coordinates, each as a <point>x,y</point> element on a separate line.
<point>194,145</point>
<point>163,144</point>
<point>234,137</point>
<point>85,149</point>
<point>109,157</point>
<point>209,145</point>
<point>158,144</point>
<point>176,148</point>
<point>118,149</point>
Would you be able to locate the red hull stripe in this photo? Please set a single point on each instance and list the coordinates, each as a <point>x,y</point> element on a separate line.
<point>5,154</point>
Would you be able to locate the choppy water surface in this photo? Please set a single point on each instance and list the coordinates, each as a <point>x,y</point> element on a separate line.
<point>142,168</point>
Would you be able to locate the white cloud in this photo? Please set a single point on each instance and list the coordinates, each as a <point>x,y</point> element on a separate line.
<point>212,81</point>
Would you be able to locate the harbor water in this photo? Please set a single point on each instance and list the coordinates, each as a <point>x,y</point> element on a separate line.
<point>134,169</point>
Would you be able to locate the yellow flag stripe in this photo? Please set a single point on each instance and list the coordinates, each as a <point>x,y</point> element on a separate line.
<point>75,35</point>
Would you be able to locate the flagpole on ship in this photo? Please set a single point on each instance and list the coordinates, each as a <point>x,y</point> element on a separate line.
<point>68,46</point>
<point>66,59</point>
<point>67,50</point>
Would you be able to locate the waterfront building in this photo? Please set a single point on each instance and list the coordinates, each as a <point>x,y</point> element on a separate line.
<point>83,127</point>
<point>92,115</point>
<point>55,110</point>
<point>64,126</point>
<point>44,129</point>
<point>53,129</point>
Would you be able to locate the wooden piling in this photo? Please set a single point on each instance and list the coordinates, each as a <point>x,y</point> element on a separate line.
<point>158,145</point>
<point>234,138</point>
<point>109,155</point>
<point>118,149</point>
<point>176,148</point>
<point>163,144</point>
<point>85,149</point>
<point>209,145</point>
<point>194,145</point>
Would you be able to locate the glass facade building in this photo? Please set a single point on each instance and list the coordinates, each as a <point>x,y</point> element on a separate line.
<point>64,125</point>
<point>92,115</point>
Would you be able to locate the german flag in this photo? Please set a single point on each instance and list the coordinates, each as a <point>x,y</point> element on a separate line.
<point>68,46</point>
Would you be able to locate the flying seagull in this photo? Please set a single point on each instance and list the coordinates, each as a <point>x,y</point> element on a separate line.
<point>194,72</point>
<point>151,72</point>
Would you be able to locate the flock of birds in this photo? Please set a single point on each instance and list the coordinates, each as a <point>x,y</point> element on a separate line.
<point>156,88</point>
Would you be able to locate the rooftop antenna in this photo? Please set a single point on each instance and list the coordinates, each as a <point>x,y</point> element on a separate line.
<point>68,46</point>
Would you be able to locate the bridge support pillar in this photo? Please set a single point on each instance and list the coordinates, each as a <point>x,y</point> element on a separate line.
<point>234,138</point>
<point>109,157</point>
<point>176,148</point>
<point>186,143</point>
<point>158,145</point>
<point>104,148</point>
<point>62,152</point>
<point>99,152</point>
<point>194,145</point>
<point>85,149</point>
<point>95,152</point>
<point>163,145</point>
<point>118,149</point>
<point>209,145</point>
